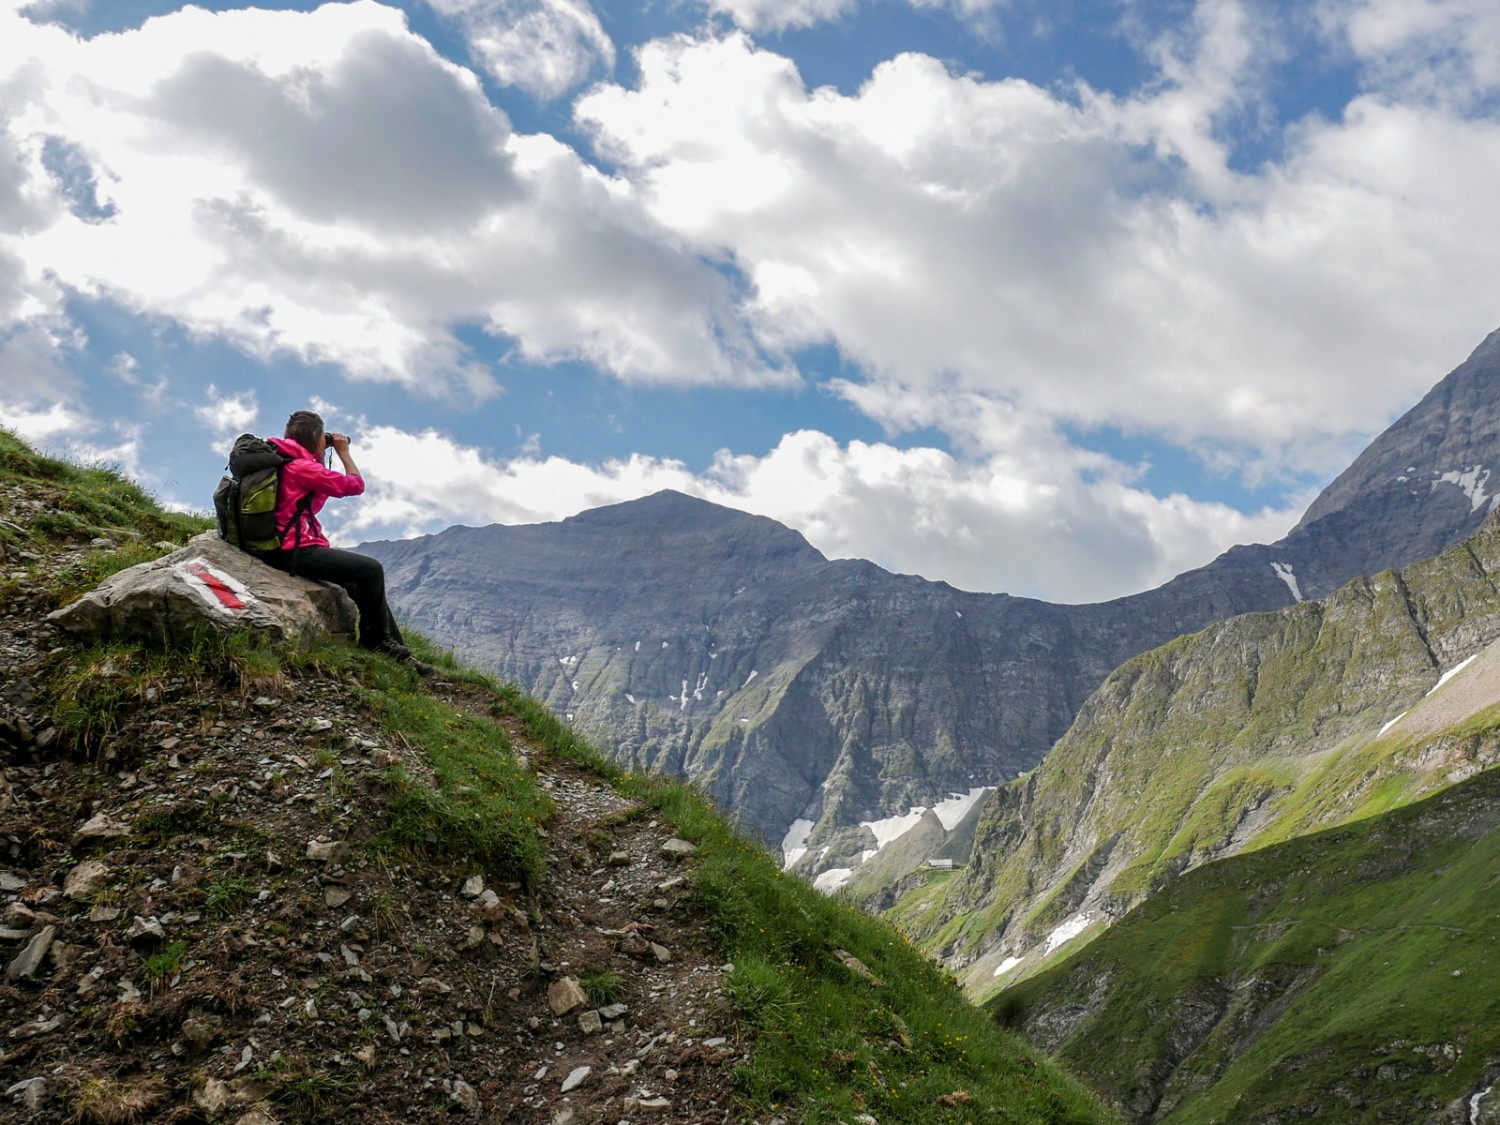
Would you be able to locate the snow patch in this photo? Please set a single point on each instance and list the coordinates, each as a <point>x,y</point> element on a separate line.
<point>1475,1102</point>
<point>751,676</point>
<point>794,843</point>
<point>630,697</point>
<point>832,879</point>
<point>952,811</point>
<point>893,827</point>
<point>664,644</point>
<point>1472,481</point>
<point>868,854</point>
<point>1006,966</point>
<point>637,646</point>
<point>1284,572</point>
<point>1069,930</point>
<point>1451,672</point>
<point>1392,723</point>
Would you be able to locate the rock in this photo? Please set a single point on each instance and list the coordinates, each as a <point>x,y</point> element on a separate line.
<point>678,849</point>
<point>25,964</point>
<point>465,1097</point>
<point>662,954</point>
<point>858,967</point>
<point>576,1077</point>
<point>100,827</point>
<point>208,587</point>
<point>473,886</point>
<point>212,1098</point>
<point>336,896</point>
<point>619,859</point>
<point>146,931</point>
<point>590,1023</point>
<point>322,851</point>
<point>256,1116</point>
<point>649,1105</point>
<point>30,1092</point>
<point>564,995</point>
<point>104,913</point>
<point>613,1012</point>
<point>9,881</point>
<point>84,879</point>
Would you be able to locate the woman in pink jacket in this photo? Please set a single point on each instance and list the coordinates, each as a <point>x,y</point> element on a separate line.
<point>305,486</point>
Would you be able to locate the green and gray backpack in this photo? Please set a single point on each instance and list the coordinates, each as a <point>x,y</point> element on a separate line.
<point>245,501</point>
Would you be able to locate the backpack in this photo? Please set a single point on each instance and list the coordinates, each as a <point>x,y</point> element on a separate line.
<point>245,501</point>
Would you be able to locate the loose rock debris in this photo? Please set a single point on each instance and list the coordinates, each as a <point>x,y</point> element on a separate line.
<point>196,925</point>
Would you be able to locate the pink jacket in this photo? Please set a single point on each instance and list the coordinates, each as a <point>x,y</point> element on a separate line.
<point>302,476</point>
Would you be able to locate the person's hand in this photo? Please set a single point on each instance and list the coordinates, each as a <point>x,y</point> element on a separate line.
<point>340,442</point>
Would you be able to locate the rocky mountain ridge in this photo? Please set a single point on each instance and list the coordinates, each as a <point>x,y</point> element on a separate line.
<point>823,701</point>
<point>1257,730</point>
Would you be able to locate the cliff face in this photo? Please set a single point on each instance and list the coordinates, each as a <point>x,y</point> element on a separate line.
<point>831,697</point>
<point>1254,731</point>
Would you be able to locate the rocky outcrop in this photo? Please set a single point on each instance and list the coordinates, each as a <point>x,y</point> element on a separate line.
<point>208,587</point>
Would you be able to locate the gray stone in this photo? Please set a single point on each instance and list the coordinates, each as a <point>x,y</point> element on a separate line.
<point>321,851</point>
<point>100,827</point>
<point>84,879</point>
<point>31,1093</point>
<point>208,587</point>
<point>473,886</point>
<point>678,848</point>
<point>25,964</point>
<point>590,1024</point>
<point>146,931</point>
<point>564,995</point>
<point>576,1077</point>
<point>613,1011</point>
<point>465,1097</point>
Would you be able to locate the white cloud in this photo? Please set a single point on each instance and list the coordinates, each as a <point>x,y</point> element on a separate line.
<point>324,185</point>
<point>40,426</point>
<point>1043,521</point>
<point>1096,261</point>
<point>777,15</point>
<point>545,47</point>
<point>1443,51</point>
<point>227,415</point>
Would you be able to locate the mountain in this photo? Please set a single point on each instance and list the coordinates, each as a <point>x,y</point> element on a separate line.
<point>1254,731</point>
<point>827,702</point>
<point>247,884</point>
<point>1345,976</point>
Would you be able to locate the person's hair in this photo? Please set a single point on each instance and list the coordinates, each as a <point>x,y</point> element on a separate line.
<point>305,428</point>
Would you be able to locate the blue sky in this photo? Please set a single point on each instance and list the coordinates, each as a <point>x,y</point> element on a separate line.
<point>1058,299</point>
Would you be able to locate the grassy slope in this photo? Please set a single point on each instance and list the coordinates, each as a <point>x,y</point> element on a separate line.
<point>1249,733</point>
<point>830,1043</point>
<point>1343,976</point>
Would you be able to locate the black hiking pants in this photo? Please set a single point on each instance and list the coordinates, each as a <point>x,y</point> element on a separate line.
<point>360,575</point>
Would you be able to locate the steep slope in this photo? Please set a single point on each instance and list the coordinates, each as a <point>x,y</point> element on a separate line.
<point>1350,976</point>
<point>1253,731</point>
<point>242,884</point>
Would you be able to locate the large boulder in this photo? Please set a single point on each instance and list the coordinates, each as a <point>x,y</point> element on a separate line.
<point>205,588</point>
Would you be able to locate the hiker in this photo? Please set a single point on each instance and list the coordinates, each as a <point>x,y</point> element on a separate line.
<point>304,487</point>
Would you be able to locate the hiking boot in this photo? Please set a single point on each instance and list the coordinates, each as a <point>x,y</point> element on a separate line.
<point>398,651</point>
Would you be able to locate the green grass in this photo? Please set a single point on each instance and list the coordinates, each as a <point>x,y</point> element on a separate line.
<point>828,1043</point>
<point>601,986</point>
<point>1267,983</point>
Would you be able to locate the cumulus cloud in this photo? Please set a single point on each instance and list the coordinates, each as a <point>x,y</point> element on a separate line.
<point>777,15</point>
<point>1048,522</point>
<point>545,47</point>
<point>325,185</point>
<point>1442,51</point>
<point>227,415</point>
<point>1091,258</point>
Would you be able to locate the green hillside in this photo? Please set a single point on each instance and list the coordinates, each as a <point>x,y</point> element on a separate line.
<point>1348,976</point>
<point>1257,730</point>
<point>816,1012</point>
